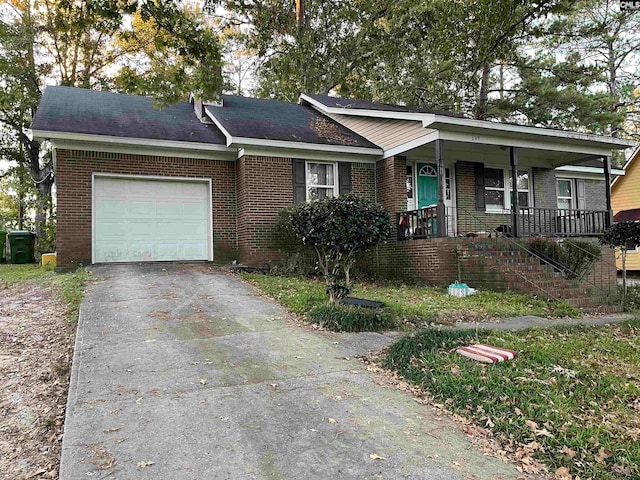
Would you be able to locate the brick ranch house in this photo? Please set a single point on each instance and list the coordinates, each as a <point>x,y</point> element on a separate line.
<point>200,181</point>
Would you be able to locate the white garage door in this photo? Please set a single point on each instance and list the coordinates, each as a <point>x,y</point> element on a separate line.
<point>141,220</point>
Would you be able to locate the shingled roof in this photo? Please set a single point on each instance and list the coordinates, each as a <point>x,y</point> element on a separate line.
<point>78,110</point>
<point>263,119</point>
<point>348,103</point>
<point>632,215</point>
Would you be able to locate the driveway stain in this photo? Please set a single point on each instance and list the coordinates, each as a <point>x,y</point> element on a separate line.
<point>269,469</point>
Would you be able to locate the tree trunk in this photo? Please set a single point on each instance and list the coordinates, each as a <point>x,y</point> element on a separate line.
<point>613,85</point>
<point>624,277</point>
<point>44,180</point>
<point>483,96</point>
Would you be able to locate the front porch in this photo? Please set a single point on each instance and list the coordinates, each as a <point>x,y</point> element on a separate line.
<point>455,188</point>
<point>523,222</point>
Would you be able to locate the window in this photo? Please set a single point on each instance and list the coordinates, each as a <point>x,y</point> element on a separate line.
<point>321,180</point>
<point>494,188</point>
<point>497,188</point>
<point>409,182</point>
<point>523,188</point>
<point>565,193</point>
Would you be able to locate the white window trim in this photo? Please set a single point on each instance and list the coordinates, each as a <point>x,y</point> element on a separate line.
<point>573,192</point>
<point>336,180</point>
<point>506,175</point>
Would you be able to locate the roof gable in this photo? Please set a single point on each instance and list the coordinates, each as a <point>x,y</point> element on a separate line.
<point>351,104</point>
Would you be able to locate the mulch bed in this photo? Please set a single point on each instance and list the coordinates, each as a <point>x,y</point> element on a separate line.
<point>36,348</point>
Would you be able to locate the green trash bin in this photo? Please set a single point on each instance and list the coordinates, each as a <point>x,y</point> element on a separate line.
<point>3,237</point>
<point>21,244</point>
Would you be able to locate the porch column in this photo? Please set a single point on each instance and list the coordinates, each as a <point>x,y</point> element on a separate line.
<point>606,163</point>
<point>441,211</point>
<point>515,206</point>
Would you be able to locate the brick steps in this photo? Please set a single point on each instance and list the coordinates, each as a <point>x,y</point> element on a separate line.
<point>505,266</point>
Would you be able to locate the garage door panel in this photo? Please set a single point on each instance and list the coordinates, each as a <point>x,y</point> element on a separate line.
<point>168,251</point>
<point>193,210</point>
<point>111,208</point>
<point>112,230</point>
<point>193,250</point>
<point>167,229</point>
<point>111,251</point>
<point>191,190</point>
<point>167,209</point>
<point>146,220</point>
<point>141,251</point>
<point>141,229</point>
<point>142,209</point>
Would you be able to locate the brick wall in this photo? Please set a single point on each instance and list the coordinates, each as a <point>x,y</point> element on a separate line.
<point>428,260</point>
<point>363,180</point>
<point>544,188</point>
<point>391,182</point>
<point>73,184</point>
<point>265,186</point>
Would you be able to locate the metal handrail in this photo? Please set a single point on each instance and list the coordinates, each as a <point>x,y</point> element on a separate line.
<point>545,261</point>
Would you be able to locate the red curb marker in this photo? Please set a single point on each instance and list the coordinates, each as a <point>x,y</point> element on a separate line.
<point>486,353</point>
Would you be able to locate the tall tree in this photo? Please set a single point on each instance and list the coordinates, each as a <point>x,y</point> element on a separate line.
<point>607,40</point>
<point>82,43</point>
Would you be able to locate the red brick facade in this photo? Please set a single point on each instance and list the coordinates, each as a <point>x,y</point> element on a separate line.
<point>74,170</point>
<point>248,194</point>
<point>246,197</point>
<point>391,174</point>
<point>265,186</point>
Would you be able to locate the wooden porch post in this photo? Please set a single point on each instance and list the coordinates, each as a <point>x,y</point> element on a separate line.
<point>515,206</point>
<point>606,162</point>
<point>441,211</point>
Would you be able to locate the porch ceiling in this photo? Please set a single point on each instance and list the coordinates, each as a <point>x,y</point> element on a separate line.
<point>497,154</point>
<point>488,142</point>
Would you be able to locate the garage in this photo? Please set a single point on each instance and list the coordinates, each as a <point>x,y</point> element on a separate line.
<point>145,219</point>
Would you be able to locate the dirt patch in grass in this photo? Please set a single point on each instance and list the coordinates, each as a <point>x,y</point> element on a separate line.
<point>36,348</point>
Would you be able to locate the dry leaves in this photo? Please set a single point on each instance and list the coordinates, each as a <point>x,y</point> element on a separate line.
<point>563,474</point>
<point>538,432</point>
<point>375,456</point>
<point>144,464</point>
<point>36,346</point>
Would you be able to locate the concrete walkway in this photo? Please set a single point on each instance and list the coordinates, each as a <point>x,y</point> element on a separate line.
<point>531,321</point>
<point>183,372</point>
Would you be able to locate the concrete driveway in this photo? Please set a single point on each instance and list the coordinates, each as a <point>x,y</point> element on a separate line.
<point>184,372</point>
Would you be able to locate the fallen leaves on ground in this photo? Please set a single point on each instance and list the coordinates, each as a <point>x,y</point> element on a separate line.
<point>522,456</point>
<point>36,347</point>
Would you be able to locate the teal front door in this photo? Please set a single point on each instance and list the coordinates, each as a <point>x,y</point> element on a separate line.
<point>427,185</point>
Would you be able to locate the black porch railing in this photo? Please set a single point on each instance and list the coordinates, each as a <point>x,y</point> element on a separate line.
<point>416,224</point>
<point>554,222</point>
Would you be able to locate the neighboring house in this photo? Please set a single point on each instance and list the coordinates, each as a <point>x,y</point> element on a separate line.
<point>205,182</point>
<point>625,201</point>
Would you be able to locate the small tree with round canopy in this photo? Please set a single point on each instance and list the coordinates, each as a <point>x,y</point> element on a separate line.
<point>337,229</point>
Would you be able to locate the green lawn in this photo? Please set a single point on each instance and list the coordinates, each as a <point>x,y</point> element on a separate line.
<point>413,305</point>
<point>69,285</point>
<point>571,396</point>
